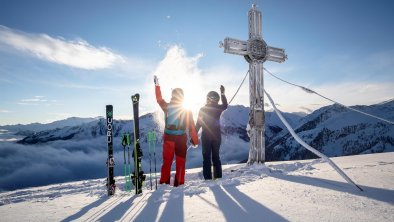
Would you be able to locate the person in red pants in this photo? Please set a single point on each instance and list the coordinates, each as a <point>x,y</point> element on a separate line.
<point>177,121</point>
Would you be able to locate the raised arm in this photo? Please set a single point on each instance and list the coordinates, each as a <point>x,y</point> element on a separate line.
<point>163,104</point>
<point>224,104</point>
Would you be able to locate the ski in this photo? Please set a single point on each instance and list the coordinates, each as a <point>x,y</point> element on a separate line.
<point>138,175</point>
<point>110,160</point>
<point>126,142</point>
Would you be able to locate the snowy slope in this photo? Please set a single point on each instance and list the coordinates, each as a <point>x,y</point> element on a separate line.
<point>306,190</point>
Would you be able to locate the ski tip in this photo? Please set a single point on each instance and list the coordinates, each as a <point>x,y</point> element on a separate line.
<point>135,97</point>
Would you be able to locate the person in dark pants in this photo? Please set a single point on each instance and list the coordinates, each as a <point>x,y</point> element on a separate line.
<point>209,121</point>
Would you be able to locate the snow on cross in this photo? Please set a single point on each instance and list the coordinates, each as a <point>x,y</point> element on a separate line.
<point>256,52</point>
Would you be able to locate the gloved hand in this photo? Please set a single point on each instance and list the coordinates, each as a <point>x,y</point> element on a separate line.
<point>192,144</point>
<point>221,89</point>
<point>155,80</point>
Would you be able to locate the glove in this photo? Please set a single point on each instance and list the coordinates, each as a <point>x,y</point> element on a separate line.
<point>155,80</point>
<point>221,89</point>
<point>192,144</point>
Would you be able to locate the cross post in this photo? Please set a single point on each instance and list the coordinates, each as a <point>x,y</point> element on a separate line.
<point>256,52</point>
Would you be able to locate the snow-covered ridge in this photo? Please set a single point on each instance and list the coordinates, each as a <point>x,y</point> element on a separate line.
<point>36,127</point>
<point>337,131</point>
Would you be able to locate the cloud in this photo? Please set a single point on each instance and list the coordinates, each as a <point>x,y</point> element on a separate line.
<point>178,70</point>
<point>38,100</point>
<point>60,161</point>
<point>4,111</point>
<point>74,53</point>
<point>25,166</point>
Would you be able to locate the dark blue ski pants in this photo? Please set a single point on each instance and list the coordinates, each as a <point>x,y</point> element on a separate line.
<point>210,153</point>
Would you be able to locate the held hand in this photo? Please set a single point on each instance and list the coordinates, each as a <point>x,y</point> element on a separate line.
<point>155,80</point>
<point>222,89</point>
<point>192,144</point>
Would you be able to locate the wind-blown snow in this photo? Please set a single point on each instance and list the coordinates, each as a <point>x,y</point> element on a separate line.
<point>306,190</point>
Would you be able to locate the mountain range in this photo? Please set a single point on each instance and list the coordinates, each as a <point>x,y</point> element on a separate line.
<point>76,148</point>
<point>333,130</point>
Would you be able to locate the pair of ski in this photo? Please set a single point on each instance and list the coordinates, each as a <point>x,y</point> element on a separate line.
<point>127,165</point>
<point>152,147</point>
<point>137,176</point>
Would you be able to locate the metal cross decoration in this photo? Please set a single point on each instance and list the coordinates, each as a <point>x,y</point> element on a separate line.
<point>256,52</point>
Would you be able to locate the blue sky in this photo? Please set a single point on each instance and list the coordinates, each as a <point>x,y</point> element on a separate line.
<point>70,58</point>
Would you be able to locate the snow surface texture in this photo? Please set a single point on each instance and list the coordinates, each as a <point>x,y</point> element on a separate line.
<point>307,190</point>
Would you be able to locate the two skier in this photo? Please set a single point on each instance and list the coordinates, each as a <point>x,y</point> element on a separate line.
<point>177,121</point>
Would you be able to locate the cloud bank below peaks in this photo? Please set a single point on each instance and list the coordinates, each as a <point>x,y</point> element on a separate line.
<point>75,53</point>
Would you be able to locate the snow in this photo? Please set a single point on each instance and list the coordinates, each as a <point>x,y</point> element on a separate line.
<point>307,190</point>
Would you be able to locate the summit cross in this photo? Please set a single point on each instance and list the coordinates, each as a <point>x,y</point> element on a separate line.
<point>256,51</point>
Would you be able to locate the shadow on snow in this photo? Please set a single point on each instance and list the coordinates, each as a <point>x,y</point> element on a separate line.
<point>379,194</point>
<point>237,206</point>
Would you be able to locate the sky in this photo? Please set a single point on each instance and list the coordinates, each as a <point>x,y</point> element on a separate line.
<point>61,59</point>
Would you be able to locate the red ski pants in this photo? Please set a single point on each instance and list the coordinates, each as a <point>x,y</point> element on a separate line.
<point>174,144</point>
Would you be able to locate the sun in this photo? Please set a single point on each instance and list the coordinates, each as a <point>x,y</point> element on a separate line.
<point>194,97</point>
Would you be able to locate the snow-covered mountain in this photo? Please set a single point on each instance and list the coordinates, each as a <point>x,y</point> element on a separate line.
<point>308,190</point>
<point>337,131</point>
<point>28,129</point>
<point>234,120</point>
<point>79,151</point>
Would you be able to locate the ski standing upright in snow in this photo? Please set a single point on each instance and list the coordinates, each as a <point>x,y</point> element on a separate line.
<point>127,169</point>
<point>138,176</point>
<point>110,160</point>
<point>152,149</point>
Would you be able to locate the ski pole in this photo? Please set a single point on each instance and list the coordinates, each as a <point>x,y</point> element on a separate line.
<point>126,142</point>
<point>150,159</point>
<point>128,161</point>
<point>124,160</point>
<point>128,167</point>
<point>154,153</point>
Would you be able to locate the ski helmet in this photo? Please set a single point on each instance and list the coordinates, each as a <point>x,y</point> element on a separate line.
<point>177,95</point>
<point>213,97</point>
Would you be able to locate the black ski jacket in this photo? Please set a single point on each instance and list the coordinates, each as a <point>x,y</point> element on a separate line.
<point>209,120</point>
